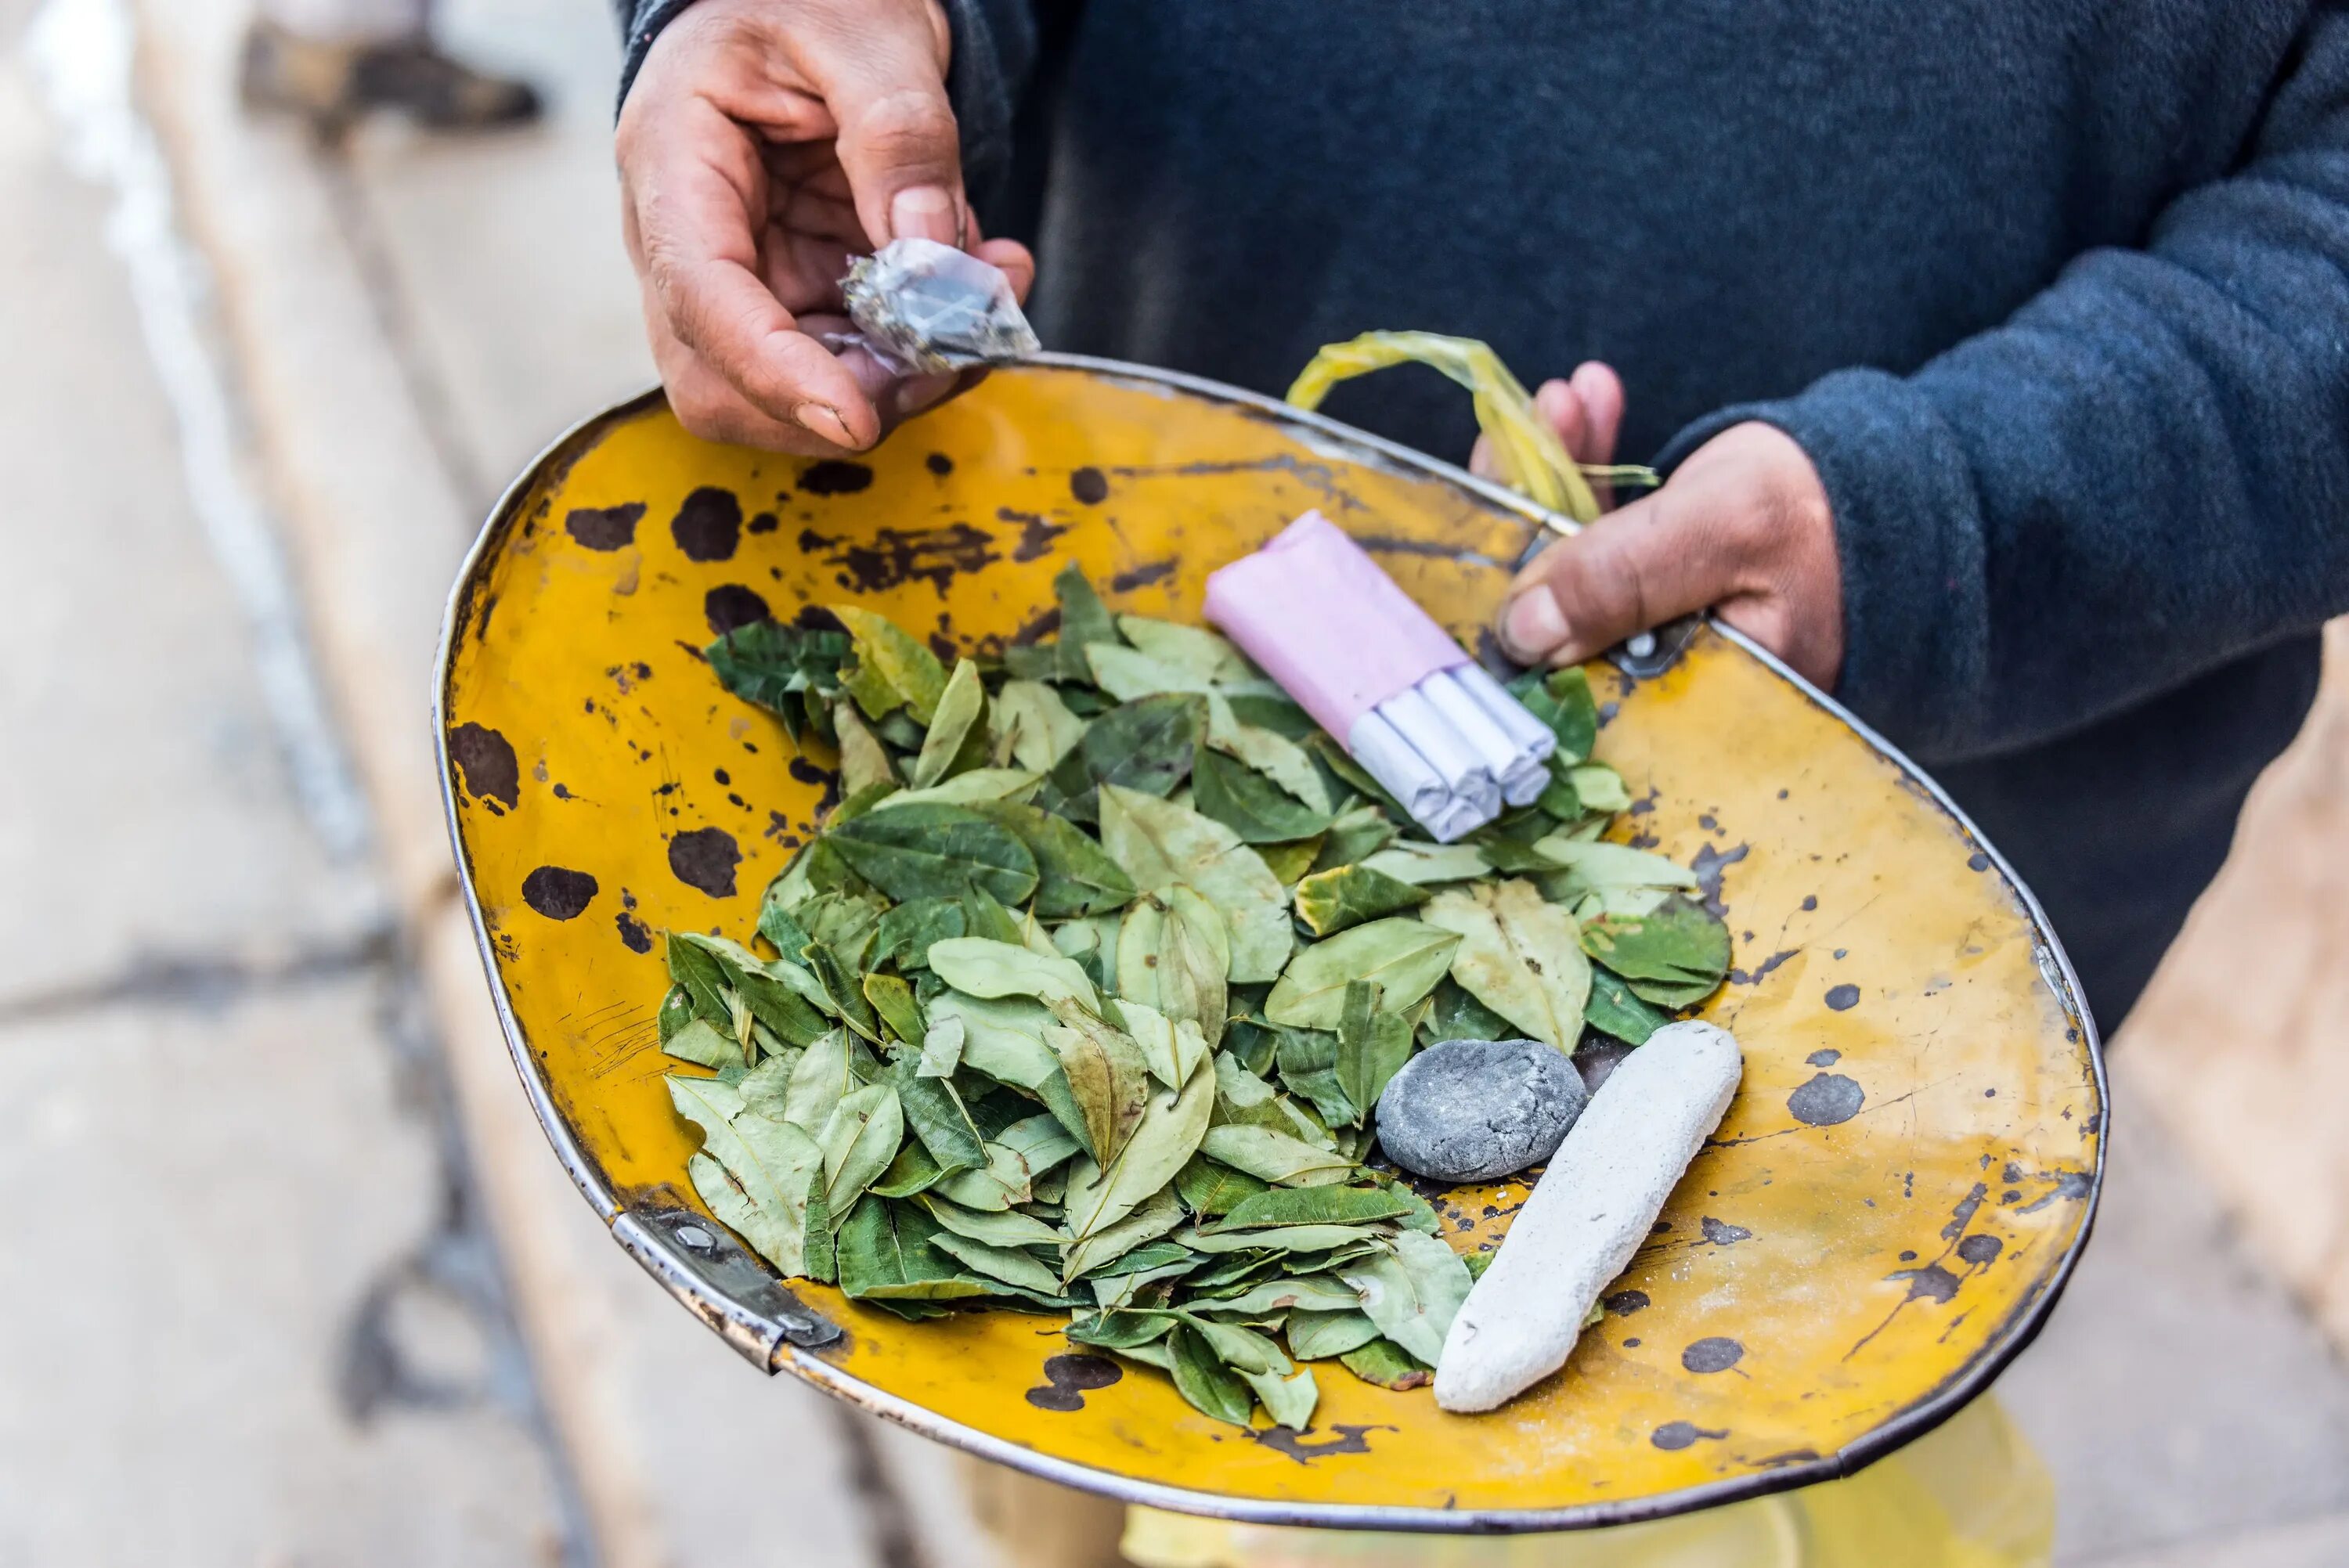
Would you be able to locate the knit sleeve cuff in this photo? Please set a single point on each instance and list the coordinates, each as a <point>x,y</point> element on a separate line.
<point>1916,654</point>
<point>646,18</point>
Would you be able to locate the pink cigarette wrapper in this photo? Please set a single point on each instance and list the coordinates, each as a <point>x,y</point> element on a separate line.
<point>1322,619</point>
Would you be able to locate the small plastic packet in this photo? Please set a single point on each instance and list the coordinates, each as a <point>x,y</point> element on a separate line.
<point>1373,669</point>
<point>923,307</point>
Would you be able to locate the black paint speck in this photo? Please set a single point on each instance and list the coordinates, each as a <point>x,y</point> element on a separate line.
<point>719,774</point>
<point>1141,576</point>
<point>1810,902</point>
<point>485,760</point>
<point>1708,864</point>
<point>709,525</point>
<point>939,464</point>
<point>1036,532</point>
<point>1931,1283</point>
<point>1082,1371</point>
<point>605,527</point>
<point>1828,1099</point>
<point>1980,1249</point>
<point>1631,1343</point>
<point>1843,999</point>
<point>705,858</point>
<point>633,932</point>
<point>836,476</point>
<point>1714,1355</point>
<point>765,523</point>
<point>2071,1186</point>
<point>1840,952</point>
<point>1674,1436</point>
<point>1068,1377</point>
<point>1908,1257</point>
<point>1721,1234</point>
<point>1762,972</point>
<point>1624,1303</point>
<point>1090,486</point>
<point>557,893</point>
<point>1977,861</point>
<point>1349,1439</point>
<point>729,604</point>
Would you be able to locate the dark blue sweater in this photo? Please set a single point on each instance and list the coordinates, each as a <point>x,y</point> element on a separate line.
<point>2055,294</point>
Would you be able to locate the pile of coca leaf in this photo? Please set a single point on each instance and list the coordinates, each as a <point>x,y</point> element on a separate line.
<point>1082,997</point>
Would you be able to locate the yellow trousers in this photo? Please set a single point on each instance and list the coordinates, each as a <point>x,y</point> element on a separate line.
<point>1973,1494</point>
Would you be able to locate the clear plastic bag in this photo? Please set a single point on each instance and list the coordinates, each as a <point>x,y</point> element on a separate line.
<point>923,306</point>
<point>1971,1495</point>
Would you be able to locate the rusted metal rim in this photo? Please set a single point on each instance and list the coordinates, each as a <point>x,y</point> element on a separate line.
<point>769,1326</point>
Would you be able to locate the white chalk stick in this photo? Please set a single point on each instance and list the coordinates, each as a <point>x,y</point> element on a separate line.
<point>1588,1214</point>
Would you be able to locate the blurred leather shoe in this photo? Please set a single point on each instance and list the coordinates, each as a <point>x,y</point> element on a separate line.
<point>332,84</point>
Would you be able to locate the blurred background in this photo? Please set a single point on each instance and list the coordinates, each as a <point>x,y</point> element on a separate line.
<point>291,1277</point>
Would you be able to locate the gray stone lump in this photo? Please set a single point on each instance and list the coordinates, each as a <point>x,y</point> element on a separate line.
<point>1473,1111</point>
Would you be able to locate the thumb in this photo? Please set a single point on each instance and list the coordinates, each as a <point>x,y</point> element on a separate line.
<point>1635,568</point>
<point>897,140</point>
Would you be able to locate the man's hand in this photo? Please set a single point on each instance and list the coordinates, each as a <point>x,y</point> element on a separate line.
<point>764,142</point>
<point>1744,527</point>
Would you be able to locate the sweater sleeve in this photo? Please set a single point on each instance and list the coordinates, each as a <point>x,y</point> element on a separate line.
<point>2141,475</point>
<point>994,52</point>
<point>641,22</point>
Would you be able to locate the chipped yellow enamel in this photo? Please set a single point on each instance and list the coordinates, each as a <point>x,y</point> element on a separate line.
<point>1909,1163</point>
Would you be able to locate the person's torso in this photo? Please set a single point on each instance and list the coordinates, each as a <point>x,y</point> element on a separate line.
<point>1725,199</point>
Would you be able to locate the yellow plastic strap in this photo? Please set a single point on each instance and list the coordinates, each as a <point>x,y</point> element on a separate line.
<point>1526,452</point>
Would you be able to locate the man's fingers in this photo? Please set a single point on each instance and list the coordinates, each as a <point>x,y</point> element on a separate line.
<point>885,86</point>
<point>1633,569</point>
<point>1585,410</point>
<point>1012,259</point>
<point>726,314</point>
<point>705,405</point>
<point>1560,407</point>
<point>1744,527</point>
<point>699,197</point>
<point>1600,391</point>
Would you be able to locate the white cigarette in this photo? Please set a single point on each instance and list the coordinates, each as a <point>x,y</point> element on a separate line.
<point>1456,820</point>
<point>1588,1214</point>
<point>1454,749</point>
<point>1527,733</point>
<point>1525,741</point>
<point>1453,755</point>
<point>1398,766</point>
<point>1491,744</point>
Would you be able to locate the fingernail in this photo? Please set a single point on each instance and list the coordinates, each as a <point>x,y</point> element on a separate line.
<point>823,419</point>
<point>923,212</point>
<point>1533,626</point>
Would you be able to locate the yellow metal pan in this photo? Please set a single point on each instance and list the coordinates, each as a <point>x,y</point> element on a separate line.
<point>1882,1221</point>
